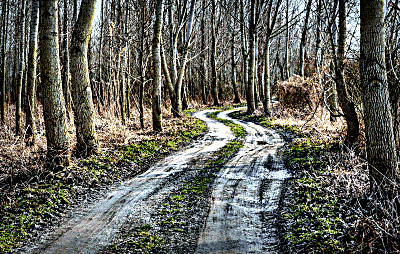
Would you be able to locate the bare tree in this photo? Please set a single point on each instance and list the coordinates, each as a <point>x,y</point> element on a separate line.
<point>31,81</point>
<point>21,72</point>
<point>348,107</point>
<point>81,89</point>
<point>65,73</point>
<point>5,18</point>
<point>156,105</point>
<point>58,153</point>
<point>381,149</point>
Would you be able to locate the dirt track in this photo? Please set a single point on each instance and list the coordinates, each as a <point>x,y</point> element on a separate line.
<point>243,208</point>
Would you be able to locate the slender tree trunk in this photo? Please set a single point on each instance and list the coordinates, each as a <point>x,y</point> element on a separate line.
<point>204,78</point>
<point>124,68</point>
<point>55,116</point>
<point>318,35</point>
<point>141,59</point>
<point>287,42</point>
<point>252,59</point>
<point>81,89</point>
<point>347,106</point>
<point>244,45</point>
<point>32,66</point>
<point>214,85</point>
<point>65,72</point>
<point>179,81</point>
<point>100,57</point>
<point>21,72</point>
<point>234,83</point>
<point>6,14</point>
<point>304,38</point>
<point>157,79</point>
<point>267,78</point>
<point>381,149</point>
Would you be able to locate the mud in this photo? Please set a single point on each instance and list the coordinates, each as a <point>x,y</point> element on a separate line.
<point>241,216</point>
<point>93,229</point>
<point>246,197</point>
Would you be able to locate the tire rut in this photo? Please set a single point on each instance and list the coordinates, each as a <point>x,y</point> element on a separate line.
<point>133,200</point>
<point>246,197</point>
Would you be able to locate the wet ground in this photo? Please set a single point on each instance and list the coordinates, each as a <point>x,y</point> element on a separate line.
<point>240,215</point>
<point>246,197</point>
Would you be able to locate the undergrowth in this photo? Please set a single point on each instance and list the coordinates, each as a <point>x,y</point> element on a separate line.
<point>331,209</point>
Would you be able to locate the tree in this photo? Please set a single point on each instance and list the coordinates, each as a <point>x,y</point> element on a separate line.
<point>233,60</point>
<point>81,89</point>
<point>272,15</point>
<point>214,87</point>
<point>203,55</point>
<point>21,72</point>
<point>58,154</point>
<point>251,107</point>
<point>65,72</point>
<point>5,19</point>
<point>31,81</point>
<point>174,79</point>
<point>303,40</point>
<point>348,107</point>
<point>381,149</point>
<point>157,81</point>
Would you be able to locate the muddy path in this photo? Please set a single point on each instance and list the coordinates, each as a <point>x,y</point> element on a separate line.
<point>240,217</point>
<point>246,197</point>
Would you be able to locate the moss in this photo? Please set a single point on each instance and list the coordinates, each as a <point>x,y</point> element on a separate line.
<point>237,130</point>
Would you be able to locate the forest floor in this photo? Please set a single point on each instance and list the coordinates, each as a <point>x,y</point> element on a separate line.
<point>250,191</point>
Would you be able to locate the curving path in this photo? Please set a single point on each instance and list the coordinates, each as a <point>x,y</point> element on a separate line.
<point>243,211</point>
<point>246,196</point>
<point>91,232</point>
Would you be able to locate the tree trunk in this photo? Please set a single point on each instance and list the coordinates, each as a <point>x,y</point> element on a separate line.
<point>287,72</point>
<point>100,63</point>
<point>58,154</point>
<point>381,149</point>
<point>267,79</point>
<point>234,83</point>
<point>204,70</point>
<point>304,38</point>
<point>244,45</point>
<point>65,72</point>
<point>157,79</point>
<point>348,107</point>
<point>142,65</point>
<point>21,72</point>
<point>6,13</point>
<point>252,59</point>
<point>32,66</point>
<point>214,85</point>
<point>81,90</point>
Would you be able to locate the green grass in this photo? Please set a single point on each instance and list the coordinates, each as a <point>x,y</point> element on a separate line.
<point>237,130</point>
<point>316,227</point>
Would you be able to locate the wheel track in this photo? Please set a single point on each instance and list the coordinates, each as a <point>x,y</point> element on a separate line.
<point>92,231</point>
<point>246,197</point>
